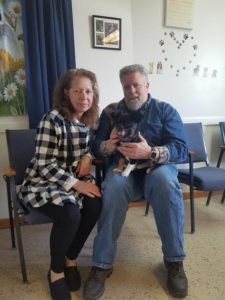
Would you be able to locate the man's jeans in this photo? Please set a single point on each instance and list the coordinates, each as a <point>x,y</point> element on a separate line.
<point>162,189</point>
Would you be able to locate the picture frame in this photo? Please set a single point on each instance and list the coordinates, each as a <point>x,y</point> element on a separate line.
<point>179,14</point>
<point>106,32</point>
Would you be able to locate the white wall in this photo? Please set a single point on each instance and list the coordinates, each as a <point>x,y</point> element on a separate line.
<point>105,63</point>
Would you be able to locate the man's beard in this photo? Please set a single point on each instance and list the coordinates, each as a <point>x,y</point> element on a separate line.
<point>134,104</point>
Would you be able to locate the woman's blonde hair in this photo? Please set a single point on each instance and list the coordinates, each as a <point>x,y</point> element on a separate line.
<point>62,103</point>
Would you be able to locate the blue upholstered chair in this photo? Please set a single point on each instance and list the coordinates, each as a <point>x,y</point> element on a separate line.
<point>222,150</point>
<point>21,148</point>
<point>204,177</point>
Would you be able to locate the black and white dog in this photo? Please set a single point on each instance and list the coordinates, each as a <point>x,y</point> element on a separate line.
<point>126,125</point>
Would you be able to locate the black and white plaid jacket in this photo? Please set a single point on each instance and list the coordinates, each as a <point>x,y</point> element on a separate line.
<point>60,144</point>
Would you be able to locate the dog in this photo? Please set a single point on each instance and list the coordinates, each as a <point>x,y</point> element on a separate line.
<point>127,130</point>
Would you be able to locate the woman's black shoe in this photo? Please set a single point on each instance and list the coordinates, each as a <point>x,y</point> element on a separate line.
<point>58,289</point>
<point>73,279</point>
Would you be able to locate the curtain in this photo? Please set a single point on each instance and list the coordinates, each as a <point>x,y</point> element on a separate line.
<point>49,51</point>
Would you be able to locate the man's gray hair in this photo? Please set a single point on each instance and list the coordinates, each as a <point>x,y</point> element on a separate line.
<point>133,69</point>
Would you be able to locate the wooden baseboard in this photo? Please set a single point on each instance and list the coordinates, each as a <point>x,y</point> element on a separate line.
<point>200,194</point>
<point>4,223</point>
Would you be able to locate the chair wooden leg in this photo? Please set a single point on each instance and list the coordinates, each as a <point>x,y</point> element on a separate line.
<point>209,198</point>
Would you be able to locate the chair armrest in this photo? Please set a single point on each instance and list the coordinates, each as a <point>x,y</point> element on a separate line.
<point>9,172</point>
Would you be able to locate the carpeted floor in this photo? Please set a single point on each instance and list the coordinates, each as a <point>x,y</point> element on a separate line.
<point>138,271</point>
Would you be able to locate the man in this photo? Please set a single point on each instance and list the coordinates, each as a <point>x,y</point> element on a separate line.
<point>162,144</point>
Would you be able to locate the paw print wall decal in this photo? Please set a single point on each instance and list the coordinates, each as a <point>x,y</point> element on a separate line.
<point>179,52</point>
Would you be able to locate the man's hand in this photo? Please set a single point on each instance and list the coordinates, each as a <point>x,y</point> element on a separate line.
<point>87,188</point>
<point>111,144</point>
<point>140,150</point>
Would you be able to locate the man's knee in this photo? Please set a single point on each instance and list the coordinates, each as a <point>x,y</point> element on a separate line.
<point>115,193</point>
<point>162,180</point>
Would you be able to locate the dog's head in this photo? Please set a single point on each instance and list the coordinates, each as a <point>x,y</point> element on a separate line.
<point>126,125</point>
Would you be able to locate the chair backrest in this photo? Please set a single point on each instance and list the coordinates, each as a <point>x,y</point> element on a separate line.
<point>222,130</point>
<point>21,148</point>
<point>196,143</point>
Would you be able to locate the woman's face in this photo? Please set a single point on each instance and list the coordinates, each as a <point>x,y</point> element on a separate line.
<point>81,95</point>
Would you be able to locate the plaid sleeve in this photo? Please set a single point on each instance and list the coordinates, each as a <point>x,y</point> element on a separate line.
<point>47,154</point>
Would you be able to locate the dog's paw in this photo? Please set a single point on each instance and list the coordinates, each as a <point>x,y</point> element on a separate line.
<point>129,168</point>
<point>117,170</point>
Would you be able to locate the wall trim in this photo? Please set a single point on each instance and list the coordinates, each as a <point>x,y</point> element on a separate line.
<point>4,223</point>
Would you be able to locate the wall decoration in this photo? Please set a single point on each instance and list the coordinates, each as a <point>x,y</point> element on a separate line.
<point>159,69</point>
<point>179,13</point>
<point>151,67</point>
<point>12,74</point>
<point>214,74</point>
<point>196,70</point>
<point>179,50</point>
<point>106,32</point>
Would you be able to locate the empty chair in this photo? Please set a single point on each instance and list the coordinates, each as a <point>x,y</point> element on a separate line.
<point>222,149</point>
<point>204,178</point>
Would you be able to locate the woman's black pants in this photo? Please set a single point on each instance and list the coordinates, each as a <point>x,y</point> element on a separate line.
<point>71,228</point>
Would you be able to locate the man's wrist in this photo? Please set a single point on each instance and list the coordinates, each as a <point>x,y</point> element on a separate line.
<point>154,155</point>
<point>103,148</point>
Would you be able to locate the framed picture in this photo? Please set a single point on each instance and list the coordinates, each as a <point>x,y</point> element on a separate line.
<point>106,32</point>
<point>179,13</point>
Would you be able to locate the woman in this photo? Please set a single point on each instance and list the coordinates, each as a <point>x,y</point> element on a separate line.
<point>56,182</point>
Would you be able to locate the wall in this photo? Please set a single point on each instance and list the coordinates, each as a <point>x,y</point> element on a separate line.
<point>196,97</point>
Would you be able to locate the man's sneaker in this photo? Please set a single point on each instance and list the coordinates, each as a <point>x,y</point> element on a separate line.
<point>94,286</point>
<point>177,283</point>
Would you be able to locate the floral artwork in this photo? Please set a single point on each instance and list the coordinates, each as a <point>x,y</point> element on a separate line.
<point>12,73</point>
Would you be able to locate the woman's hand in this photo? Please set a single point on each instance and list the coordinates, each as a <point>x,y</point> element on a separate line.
<point>87,188</point>
<point>84,166</point>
